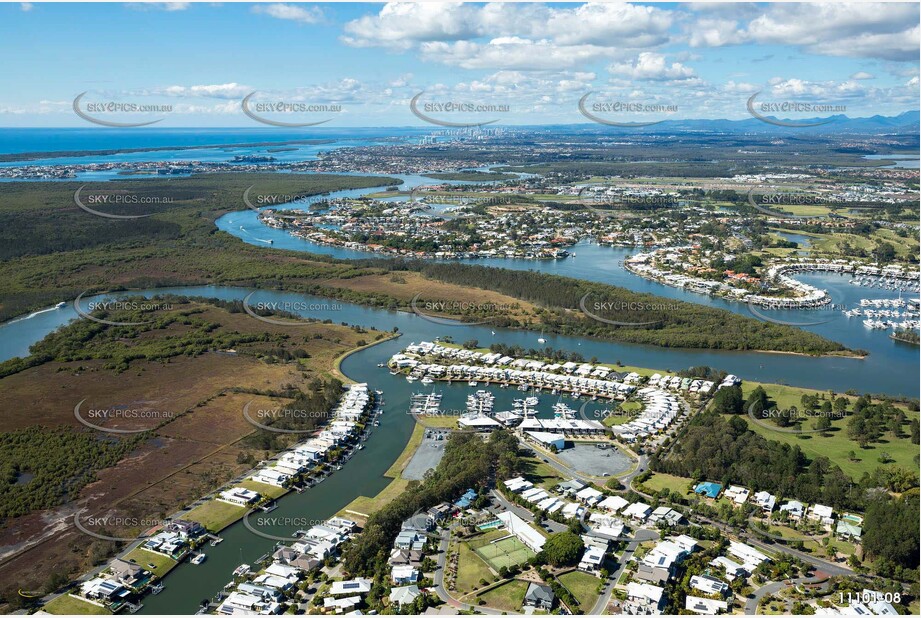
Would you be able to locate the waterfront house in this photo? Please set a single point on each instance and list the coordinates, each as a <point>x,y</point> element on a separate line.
<point>239,496</point>
<point>187,529</point>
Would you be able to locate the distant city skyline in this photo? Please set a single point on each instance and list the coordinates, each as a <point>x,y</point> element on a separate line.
<point>349,65</point>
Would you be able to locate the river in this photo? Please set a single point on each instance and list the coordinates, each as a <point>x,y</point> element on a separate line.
<point>888,368</point>
<point>363,474</point>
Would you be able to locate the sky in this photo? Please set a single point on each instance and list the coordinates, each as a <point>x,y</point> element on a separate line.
<point>523,63</point>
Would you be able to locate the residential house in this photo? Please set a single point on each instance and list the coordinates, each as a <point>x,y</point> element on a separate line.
<point>539,596</point>
<point>404,595</point>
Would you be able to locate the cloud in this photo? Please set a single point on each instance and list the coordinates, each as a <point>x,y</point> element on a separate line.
<point>863,75</point>
<point>473,36</point>
<point>652,67</point>
<point>214,91</point>
<point>300,14</point>
<point>26,6</point>
<point>163,6</point>
<point>887,31</point>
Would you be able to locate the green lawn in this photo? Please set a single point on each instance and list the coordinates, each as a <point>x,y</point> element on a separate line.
<point>66,604</point>
<point>582,586</point>
<point>264,489</point>
<point>470,569</point>
<point>659,481</point>
<point>216,515</point>
<point>541,473</point>
<point>835,445</point>
<point>162,564</point>
<point>508,597</point>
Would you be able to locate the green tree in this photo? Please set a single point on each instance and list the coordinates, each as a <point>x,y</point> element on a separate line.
<point>562,549</point>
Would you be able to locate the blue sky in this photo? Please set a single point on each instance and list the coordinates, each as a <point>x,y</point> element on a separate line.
<point>528,63</point>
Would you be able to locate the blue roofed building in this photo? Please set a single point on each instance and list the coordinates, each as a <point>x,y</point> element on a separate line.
<point>465,500</point>
<point>708,489</point>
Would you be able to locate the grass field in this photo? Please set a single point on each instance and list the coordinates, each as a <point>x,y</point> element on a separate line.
<point>505,553</point>
<point>66,604</point>
<point>541,473</point>
<point>583,586</point>
<point>264,489</point>
<point>835,445</point>
<point>659,481</point>
<point>216,515</point>
<point>162,564</point>
<point>507,597</point>
<point>470,569</point>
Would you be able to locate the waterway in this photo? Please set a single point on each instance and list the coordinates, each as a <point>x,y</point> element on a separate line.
<point>363,474</point>
<point>889,367</point>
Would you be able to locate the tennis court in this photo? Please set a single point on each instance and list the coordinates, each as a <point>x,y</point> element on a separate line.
<point>503,553</point>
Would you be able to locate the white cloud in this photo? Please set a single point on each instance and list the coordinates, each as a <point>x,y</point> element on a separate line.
<point>863,75</point>
<point>653,67</point>
<point>866,30</point>
<point>26,6</point>
<point>300,14</point>
<point>473,36</point>
<point>214,91</point>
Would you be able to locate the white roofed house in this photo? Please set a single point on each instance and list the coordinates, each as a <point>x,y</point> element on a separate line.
<point>736,493</point>
<point>589,496</point>
<point>239,496</point>
<point>732,569</point>
<point>638,511</point>
<point>822,514</point>
<point>643,599</point>
<point>709,585</point>
<point>612,504</point>
<point>700,605</point>
<point>765,500</point>
<point>794,508</point>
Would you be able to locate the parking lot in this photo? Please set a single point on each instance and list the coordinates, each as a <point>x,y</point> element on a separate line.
<point>427,456</point>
